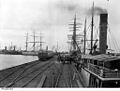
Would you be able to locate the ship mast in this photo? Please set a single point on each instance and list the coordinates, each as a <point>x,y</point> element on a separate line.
<point>41,41</point>
<point>34,41</point>
<point>92,24</point>
<point>26,41</point>
<point>85,37</point>
<point>74,34</point>
<point>74,38</point>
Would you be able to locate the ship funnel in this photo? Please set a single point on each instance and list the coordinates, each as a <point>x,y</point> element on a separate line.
<point>103,33</point>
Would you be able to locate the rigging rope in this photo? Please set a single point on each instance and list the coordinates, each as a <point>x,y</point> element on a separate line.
<point>115,43</point>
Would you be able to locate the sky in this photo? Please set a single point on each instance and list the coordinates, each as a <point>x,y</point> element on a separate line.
<point>51,18</point>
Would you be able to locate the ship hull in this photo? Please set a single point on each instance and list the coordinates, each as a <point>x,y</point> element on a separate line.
<point>29,53</point>
<point>85,77</point>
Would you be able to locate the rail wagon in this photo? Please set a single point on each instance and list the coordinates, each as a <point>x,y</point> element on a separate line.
<point>44,55</point>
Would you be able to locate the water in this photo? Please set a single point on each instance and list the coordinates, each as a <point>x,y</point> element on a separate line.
<point>7,61</point>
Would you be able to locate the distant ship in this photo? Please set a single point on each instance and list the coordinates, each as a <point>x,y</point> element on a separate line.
<point>11,51</point>
<point>33,52</point>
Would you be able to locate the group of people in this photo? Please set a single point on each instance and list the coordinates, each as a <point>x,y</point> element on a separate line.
<point>64,58</point>
<point>72,58</point>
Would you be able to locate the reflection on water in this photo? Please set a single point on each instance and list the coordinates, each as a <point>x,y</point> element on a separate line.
<point>7,61</point>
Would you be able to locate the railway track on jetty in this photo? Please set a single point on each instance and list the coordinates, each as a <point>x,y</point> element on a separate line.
<point>41,74</point>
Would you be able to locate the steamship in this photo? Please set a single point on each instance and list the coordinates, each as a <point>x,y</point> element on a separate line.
<point>99,68</point>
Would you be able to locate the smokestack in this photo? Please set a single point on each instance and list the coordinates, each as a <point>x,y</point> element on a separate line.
<point>103,32</point>
<point>5,48</point>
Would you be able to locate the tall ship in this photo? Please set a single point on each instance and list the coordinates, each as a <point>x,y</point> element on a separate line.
<point>35,48</point>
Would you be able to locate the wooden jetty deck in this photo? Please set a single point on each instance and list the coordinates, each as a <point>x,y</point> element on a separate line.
<point>41,74</point>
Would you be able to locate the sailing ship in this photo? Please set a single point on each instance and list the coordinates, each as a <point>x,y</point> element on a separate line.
<point>33,52</point>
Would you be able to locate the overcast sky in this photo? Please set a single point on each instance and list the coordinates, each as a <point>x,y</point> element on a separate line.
<point>51,17</point>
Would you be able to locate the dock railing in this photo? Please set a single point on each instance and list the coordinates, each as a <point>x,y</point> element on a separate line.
<point>103,72</point>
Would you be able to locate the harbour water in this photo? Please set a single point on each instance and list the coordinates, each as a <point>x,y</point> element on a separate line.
<point>7,61</point>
